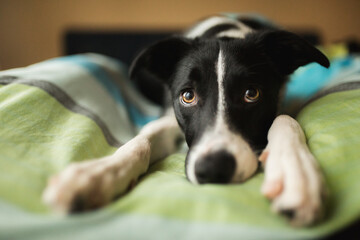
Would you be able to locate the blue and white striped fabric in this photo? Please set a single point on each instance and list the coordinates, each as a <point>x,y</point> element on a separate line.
<point>99,85</point>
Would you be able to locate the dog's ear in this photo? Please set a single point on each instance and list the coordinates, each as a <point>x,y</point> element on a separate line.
<point>159,60</point>
<point>289,51</point>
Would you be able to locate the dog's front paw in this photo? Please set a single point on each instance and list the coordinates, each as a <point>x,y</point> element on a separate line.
<point>293,182</point>
<point>80,187</point>
<point>92,184</point>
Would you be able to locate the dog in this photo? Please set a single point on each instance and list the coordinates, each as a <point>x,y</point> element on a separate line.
<point>223,80</point>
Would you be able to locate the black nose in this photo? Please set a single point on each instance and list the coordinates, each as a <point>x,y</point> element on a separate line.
<point>218,167</point>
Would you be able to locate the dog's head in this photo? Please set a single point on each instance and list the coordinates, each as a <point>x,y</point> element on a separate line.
<point>225,94</point>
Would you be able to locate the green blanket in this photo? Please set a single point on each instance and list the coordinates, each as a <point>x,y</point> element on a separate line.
<point>39,136</point>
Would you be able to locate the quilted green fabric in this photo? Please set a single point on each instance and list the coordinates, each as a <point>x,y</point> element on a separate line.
<point>38,137</point>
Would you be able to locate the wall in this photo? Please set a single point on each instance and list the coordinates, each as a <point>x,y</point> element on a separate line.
<point>31,30</point>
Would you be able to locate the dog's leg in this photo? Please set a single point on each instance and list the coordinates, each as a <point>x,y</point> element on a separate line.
<point>91,184</point>
<point>293,180</point>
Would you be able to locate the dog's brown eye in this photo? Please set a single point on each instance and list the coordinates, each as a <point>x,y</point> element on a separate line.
<point>188,97</point>
<point>252,95</point>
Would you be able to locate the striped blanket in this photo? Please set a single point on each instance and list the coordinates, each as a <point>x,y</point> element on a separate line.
<point>82,107</point>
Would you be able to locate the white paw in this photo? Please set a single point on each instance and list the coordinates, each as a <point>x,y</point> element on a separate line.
<point>92,184</point>
<point>293,182</point>
<point>79,187</point>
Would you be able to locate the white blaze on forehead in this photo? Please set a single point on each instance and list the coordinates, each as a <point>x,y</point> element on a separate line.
<point>220,70</point>
<point>219,137</point>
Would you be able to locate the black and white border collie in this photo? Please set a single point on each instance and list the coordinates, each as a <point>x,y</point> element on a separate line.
<point>223,79</point>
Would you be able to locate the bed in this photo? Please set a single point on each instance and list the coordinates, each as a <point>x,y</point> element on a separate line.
<point>82,106</point>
